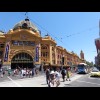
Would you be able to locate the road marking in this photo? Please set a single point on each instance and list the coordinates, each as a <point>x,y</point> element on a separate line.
<point>73,78</point>
<point>14,82</point>
<point>88,82</point>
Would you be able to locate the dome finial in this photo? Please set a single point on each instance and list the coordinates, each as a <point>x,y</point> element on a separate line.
<point>26,14</point>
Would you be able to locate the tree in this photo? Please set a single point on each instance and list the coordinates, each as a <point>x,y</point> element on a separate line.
<point>89,63</point>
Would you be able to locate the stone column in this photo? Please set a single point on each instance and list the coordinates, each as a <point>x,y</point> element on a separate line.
<point>50,53</point>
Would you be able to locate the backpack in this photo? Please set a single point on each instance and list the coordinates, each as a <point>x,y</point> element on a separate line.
<point>63,72</point>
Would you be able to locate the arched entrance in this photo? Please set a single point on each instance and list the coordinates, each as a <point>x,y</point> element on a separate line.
<point>22,60</point>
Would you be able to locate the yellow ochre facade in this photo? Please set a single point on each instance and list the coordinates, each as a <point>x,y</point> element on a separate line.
<point>23,46</point>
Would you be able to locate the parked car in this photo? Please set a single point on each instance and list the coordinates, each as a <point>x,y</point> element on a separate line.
<point>95,73</point>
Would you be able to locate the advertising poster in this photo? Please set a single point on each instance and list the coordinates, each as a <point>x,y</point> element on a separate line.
<point>37,53</point>
<point>6,52</point>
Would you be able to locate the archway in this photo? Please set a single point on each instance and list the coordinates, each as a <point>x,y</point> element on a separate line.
<point>22,60</point>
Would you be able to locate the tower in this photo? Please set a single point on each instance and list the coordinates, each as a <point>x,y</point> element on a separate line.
<point>81,55</point>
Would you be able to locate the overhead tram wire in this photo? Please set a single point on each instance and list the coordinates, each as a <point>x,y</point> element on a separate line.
<point>43,28</point>
<point>67,35</point>
<point>61,38</point>
<point>89,29</point>
<point>53,34</point>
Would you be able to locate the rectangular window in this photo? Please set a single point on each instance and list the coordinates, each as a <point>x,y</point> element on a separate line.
<point>25,43</point>
<point>58,56</point>
<point>43,54</point>
<point>1,53</point>
<point>1,45</point>
<point>46,54</point>
<point>15,42</point>
<point>32,43</point>
<point>20,42</point>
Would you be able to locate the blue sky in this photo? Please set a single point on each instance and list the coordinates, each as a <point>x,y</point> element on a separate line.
<point>74,31</point>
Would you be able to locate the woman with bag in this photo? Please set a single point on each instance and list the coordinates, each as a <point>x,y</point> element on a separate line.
<point>68,74</point>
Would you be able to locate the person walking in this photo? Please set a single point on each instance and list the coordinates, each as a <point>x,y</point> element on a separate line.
<point>63,72</point>
<point>9,71</point>
<point>52,80</point>
<point>32,72</point>
<point>57,75</point>
<point>47,75</point>
<point>68,74</point>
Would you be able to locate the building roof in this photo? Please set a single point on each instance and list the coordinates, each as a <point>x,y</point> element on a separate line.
<point>1,34</point>
<point>25,24</point>
<point>47,37</point>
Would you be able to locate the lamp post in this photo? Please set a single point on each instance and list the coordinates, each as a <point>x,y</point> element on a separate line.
<point>62,61</point>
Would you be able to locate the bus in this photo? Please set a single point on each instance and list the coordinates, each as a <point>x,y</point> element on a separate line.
<point>82,68</point>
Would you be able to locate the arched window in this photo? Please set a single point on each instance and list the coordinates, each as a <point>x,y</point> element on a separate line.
<point>43,54</point>
<point>44,47</point>
<point>52,48</point>
<point>46,54</point>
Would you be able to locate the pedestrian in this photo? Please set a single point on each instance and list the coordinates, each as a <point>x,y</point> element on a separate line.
<point>22,73</point>
<point>3,72</point>
<point>57,75</point>
<point>1,75</point>
<point>63,72</point>
<point>32,72</point>
<point>52,80</point>
<point>47,75</point>
<point>0,69</point>
<point>9,71</point>
<point>68,74</point>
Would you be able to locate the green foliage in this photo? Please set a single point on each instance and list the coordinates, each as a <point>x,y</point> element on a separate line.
<point>89,63</point>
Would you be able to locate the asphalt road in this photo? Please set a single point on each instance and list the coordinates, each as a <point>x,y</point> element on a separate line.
<point>85,81</point>
<point>77,80</point>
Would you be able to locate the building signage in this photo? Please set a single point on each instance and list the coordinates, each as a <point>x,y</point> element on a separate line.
<point>37,53</point>
<point>6,52</point>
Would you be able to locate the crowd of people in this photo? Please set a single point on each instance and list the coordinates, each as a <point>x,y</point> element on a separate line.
<point>22,72</point>
<point>53,76</point>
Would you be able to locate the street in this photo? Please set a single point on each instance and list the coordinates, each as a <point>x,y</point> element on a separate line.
<point>85,81</point>
<point>77,80</point>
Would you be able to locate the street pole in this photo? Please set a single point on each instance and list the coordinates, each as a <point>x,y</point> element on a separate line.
<point>42,67</point>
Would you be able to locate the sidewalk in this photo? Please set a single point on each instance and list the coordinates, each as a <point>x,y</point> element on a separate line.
<point>38,81</point>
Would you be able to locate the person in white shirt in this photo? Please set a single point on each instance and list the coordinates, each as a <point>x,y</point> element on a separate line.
<point>57,74</point>
<point>52,80</point>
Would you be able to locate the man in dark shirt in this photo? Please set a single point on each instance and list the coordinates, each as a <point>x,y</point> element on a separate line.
<point>47,75</point>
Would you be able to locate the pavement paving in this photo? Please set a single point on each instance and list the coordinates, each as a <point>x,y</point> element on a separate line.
<point>38,81</point>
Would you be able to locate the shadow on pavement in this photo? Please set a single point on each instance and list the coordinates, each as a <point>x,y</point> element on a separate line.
<point>62,81</point>
<point>44,84</point>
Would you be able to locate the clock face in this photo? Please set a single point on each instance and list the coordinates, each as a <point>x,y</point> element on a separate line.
<point>24,37</point>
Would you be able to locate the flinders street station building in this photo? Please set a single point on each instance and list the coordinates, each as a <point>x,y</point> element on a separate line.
<point>23,46</point>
